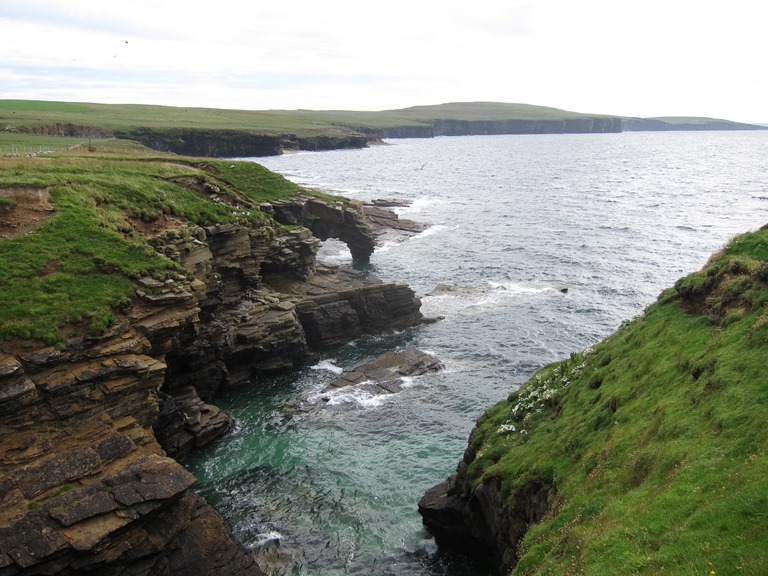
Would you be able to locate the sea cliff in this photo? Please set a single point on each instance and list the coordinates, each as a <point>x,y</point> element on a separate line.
<point>643,454</point>
<point>223,293</point>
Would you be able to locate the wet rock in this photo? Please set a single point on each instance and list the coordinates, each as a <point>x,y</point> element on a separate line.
<point>385,220</point>
<point>385,374</point>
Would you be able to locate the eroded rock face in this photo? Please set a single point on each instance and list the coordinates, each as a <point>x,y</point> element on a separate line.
<point>344,221</point>
<point>476,520</point>
<point>339,304</point>
<point>84,485</point>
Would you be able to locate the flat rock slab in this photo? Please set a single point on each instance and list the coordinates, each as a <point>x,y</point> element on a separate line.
<point>385,374</point>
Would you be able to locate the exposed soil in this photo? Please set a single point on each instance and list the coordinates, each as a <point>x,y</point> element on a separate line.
<point>29,207</point>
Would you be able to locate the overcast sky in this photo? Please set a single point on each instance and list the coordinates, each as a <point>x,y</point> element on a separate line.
<point>633,58</point>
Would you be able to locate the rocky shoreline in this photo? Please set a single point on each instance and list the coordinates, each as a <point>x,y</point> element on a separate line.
<point>90,428</point>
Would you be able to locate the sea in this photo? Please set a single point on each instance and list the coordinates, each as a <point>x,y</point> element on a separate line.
<point>535,246</point>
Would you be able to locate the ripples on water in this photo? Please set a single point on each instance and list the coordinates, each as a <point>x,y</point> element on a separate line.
<point>331,487</point>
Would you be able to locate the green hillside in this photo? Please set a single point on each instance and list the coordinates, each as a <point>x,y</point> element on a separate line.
<point>654,441</point>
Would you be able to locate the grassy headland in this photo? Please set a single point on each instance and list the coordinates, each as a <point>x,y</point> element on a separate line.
<point>24,114</point>
<point>77,230</point>
<point>654,441</point>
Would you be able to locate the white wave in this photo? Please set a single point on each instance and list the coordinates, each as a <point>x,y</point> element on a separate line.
<point>416,206</point>
<point>432,230</point>
<point>271,538</point>
<point>353,394</point>
<point>328,364</point>
<point>386,246</point>
<point>518,288</point>
<point>334,251</point>
<point>458,300</point>
<point>407,382</point>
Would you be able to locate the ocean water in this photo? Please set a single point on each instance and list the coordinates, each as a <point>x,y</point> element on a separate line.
<point>539,246</point>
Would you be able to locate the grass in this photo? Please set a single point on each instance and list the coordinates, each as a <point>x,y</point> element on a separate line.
<point>655,439</point>
<point>111,212</point>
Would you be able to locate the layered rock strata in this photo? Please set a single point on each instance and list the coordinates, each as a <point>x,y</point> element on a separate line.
<point>86,428</point>
<point>84,485</point>
<point>344,220</point>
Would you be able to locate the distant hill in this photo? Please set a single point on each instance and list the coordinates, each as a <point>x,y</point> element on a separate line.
<point>223,132</point>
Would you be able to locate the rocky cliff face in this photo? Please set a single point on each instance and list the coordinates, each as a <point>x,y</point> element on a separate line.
<point>238,143</point>
<point>488,127</point>
<point>86,484</point>
<point>660,124</point>
<point>207,143</point>
<point>477,521</point>
<point>452,127</point>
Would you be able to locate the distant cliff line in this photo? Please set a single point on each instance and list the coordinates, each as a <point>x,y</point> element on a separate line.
<point>229,143</point>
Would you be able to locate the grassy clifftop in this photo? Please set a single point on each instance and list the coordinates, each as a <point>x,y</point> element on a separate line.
<point>654,441</point>
<point>22,113</point>
<point>79,229</point>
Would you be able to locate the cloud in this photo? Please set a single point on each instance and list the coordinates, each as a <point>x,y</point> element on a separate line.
<point>595,55</point>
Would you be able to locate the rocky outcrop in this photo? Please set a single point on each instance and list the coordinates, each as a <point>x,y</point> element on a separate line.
<point>385,374</point>
<point>474,518</point>
<point>385,220</point>
<point>339,304</point>
<point>85,485</point>
<point>331,218</point>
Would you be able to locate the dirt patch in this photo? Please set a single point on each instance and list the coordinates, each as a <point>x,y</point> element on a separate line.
<point>156,227</point>
<point>28,207</point>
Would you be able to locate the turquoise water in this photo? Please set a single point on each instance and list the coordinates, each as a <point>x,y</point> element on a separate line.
<point>331,487</point>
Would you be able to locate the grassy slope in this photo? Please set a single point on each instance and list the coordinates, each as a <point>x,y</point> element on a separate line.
<point>656,438</point>
<point>81,264</point>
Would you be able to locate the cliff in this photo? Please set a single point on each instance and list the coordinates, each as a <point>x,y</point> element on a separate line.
<point>156,282</point>
<point>644,454</point>
<point>238,143</point>
<point>684,123</point>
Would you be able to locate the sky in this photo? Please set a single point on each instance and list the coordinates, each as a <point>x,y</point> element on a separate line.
<point>629,58</point>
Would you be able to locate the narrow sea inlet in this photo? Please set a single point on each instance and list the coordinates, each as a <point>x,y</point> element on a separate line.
<point>540,246</point>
